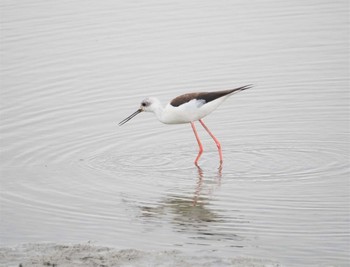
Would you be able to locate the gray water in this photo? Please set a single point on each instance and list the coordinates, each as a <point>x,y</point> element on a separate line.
<point>70,71</point>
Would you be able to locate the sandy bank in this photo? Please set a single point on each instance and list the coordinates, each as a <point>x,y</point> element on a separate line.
<point>54,255</point>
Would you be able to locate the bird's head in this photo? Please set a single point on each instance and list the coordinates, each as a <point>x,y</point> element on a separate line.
<point>149,104</point>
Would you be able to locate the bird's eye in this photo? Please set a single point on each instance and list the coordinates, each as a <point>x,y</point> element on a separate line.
<point>143,104</point>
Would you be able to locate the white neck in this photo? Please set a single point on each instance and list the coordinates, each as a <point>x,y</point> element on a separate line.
<point>157,109</point>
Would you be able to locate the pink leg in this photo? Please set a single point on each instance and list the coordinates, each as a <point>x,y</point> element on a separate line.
<point>216,140</point>
<point>199,143</point>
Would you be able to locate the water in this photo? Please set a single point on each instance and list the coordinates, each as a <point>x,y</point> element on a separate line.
<point>71,71</point>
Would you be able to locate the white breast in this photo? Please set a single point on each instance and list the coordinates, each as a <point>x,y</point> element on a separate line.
<point>190,111</point>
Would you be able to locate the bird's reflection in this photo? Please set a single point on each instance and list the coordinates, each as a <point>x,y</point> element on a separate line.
<point>192,214</point>
<point>198,191</point>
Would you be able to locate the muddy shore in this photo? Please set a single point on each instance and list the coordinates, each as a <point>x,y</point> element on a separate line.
<point>58,255</point>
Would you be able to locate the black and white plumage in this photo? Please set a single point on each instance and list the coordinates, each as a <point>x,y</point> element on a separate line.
<point>205,97</point>
<point>187,108</point>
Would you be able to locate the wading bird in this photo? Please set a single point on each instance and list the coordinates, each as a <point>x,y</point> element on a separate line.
<point>188,108</point>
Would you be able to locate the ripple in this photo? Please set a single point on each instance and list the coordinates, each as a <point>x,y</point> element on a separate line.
<point>286,160</point>
<point>262,161</point>
<point>162,159</point>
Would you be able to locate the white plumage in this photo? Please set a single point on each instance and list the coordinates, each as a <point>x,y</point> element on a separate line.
<point>188,108</point>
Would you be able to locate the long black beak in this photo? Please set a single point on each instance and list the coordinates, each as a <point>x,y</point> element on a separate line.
<point>130,117</point>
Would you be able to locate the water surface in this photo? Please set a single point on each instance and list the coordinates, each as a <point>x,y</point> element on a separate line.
<point>71,71</point>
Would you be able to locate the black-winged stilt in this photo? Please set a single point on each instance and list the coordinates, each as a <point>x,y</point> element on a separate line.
<point>188,108</point>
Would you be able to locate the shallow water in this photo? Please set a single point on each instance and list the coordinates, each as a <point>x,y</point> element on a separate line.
<point>71,71</point>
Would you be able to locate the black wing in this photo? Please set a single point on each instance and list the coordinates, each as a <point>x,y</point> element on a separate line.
<point>205,96</point>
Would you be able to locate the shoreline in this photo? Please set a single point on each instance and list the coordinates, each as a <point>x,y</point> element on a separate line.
<point>87,254</point>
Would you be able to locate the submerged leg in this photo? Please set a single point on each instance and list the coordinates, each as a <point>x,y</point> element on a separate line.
<point>199,143</point>
<point>214,138</point>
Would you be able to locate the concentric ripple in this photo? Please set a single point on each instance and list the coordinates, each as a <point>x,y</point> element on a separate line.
<point>285,161</point>
<point>263,161</point>
<point>164,158</point>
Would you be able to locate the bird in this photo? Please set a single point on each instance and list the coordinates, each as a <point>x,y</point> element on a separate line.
<point>188,108</point>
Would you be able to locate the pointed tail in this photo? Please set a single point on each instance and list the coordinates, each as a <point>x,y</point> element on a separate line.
<point>245,87</point>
